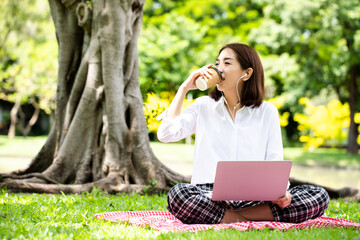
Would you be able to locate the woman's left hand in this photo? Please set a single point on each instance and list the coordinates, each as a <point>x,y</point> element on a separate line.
<point>284,201</point>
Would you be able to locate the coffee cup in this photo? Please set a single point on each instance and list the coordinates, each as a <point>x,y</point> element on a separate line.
<point>204,83</point>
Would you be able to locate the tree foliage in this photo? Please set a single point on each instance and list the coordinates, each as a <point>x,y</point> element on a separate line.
<point>179,37</point>
<point>315,34</point>
<point>308,48</point>
<point>27,55</point>
<point>322,37</point>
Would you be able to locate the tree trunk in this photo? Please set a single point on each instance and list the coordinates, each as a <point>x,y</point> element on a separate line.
<point>353,146</point>
<point>99,137</point>
<point>13,118</point>
<point>33,119</point>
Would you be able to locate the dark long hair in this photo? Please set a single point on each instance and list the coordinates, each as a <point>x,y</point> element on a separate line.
<point>253,90</point>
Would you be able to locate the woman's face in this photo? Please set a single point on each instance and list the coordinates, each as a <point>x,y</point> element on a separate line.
<point>230,69</point>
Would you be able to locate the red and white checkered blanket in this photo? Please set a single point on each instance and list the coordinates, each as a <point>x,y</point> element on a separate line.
<point>166,222</point>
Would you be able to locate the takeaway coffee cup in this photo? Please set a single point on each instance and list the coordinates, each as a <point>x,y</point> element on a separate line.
<point>204,83</point>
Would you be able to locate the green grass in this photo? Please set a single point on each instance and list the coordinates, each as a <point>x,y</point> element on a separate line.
<point>41,216</point>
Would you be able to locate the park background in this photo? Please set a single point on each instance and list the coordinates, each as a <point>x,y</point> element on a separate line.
<point>310,51</point>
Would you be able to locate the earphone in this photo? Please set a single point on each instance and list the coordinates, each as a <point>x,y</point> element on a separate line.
<point>244,75</point>
<point>232,113</point>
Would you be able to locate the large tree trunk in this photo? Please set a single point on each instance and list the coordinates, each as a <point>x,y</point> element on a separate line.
<point>100,136</point>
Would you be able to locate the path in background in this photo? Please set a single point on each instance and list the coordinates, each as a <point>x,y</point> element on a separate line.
<point>330,177</point>
<point>17,153</point>
<point>11,163</point>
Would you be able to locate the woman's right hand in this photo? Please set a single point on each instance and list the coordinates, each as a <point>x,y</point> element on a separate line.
<point>189,83</point>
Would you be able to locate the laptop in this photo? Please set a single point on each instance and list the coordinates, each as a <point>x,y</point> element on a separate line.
<point>251,180</point>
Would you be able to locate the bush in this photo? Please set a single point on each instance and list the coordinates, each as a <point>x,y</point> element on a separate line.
<point>278,102</point>
<point>154,105</point>
<point>323,125</point>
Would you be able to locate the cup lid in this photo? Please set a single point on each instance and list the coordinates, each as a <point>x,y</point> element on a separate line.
<point>218,72</point>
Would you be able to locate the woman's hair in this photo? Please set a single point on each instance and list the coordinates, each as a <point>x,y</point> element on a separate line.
<point>253,91</point>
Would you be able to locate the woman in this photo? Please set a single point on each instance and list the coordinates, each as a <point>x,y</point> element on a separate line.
<point>233,123</point>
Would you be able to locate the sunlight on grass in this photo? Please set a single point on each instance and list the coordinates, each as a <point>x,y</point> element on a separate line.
<point>20,146</point>
<point>310,162</point>
<point>322,157</point>
<point>43,216</point>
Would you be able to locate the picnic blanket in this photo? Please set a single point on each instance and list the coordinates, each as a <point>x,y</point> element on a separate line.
<point>164,221</point>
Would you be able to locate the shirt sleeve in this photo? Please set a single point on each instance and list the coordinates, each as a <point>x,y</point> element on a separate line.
<point>274,147</point>
<point>173,130</point>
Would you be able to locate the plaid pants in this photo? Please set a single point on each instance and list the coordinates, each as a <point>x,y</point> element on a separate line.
<point>191,204</point>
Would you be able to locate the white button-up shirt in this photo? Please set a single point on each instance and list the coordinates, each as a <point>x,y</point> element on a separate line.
<point>254,134</point>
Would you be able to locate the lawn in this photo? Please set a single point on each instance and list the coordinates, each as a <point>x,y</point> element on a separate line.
<point>41,216</point>
<point>328,157</point>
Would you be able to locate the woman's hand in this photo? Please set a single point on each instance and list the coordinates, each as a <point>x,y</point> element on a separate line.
<point>189,83</point>
<point>284,201</point>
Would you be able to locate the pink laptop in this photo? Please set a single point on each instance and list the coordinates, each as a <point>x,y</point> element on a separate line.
<point>251,180</point>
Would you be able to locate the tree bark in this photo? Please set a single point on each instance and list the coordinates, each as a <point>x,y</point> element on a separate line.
<point>353,146</point>
<point>13,118</point>
<point>99,137</point>
<point>33,119</point>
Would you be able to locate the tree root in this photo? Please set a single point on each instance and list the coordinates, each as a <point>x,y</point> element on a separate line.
<point>111,184</point>
<point>30,175</point>
<point>114,184</point>
<point>173,177</point>
<point>345,192</point>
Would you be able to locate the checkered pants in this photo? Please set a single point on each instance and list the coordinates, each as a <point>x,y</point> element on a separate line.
<point>192,204</point>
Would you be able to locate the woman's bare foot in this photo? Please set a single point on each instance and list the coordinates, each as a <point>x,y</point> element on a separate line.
<point>256,213</point>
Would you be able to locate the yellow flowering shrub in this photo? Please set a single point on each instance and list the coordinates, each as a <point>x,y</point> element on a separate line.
<point>278,102</point>
<point>321,124</point>
<point>154,105</point>
<point>357,120</point>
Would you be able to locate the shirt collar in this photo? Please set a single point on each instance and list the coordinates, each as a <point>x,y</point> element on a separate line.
<point>221,101</point>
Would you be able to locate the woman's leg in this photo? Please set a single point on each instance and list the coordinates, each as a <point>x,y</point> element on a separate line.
<point>308,202</point>
<point>260,212</point>
<point>190,205</point>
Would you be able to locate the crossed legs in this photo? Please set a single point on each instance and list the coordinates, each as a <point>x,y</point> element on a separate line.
<point>192,205</point>
<point>260,212</point>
